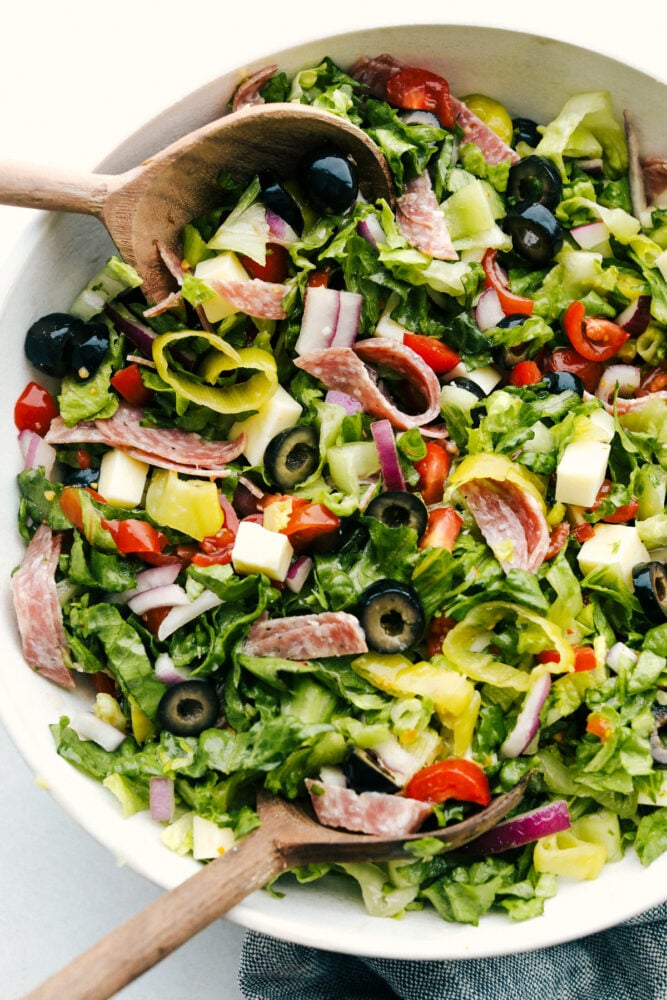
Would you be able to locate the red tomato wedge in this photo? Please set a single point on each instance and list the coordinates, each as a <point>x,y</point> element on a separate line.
<point>128,383</point>
<point>456,778</point>
<point>35,409</point>
<point>442,528</point>
<point>525,373</point>
<point>135,536</point>
<point>275,267</point>
<point>593,337</point>
<point>433,470</point>
<point>566,359</point>
<point>416,89</point>
<point>437,355</point>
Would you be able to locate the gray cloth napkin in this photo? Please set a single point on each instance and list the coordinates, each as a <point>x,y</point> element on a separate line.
<point>627,962</point>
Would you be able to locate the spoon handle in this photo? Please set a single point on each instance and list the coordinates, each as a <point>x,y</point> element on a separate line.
<point>29,185</point>
<point>166,923</point>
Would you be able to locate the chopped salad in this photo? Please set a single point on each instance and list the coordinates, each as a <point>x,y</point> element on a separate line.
<point>370,509</point>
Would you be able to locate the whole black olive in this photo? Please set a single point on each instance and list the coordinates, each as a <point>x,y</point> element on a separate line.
<point>536,235</point>
<point>535,179</point>
<point>47,343</point>
<point>291,456</point>
<point>557,382</point>
<point>330,180</point>
<point>87,347</point>
<point>391,615</point>
<point>278,199</point>
<point>525,130</point>
<point>365,772</point>
<point>399,509</point>
<point>188,708</point>
<point>80,477</point>
<point>650,581</point>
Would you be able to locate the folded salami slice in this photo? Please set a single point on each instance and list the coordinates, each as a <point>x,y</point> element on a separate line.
<point>494,149</point>
<point>511,520</point>
<point>248,93</point>
<point>262,299</point>
<point>375,813</point>
<point>307,637</point>
<point>38,611</point>
<point>347,370</point>
<point>420,220</point>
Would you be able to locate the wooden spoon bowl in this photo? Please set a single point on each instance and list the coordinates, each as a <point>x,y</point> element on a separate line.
<point>148,205</point>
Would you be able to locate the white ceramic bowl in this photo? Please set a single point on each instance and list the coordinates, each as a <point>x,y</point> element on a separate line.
<point>532,76</point>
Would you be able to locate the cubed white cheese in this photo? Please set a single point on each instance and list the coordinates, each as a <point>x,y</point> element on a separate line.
<point>487,377</point>
<point>210,840</point>
<point>616,547</point>
<point>581,472</point>
<point>122,479</point>
<point>224,267</point>
<point>279,413</point>
<point>257,550</point>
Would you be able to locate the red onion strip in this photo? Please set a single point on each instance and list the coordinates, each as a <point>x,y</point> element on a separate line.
<point>390,466</point>
<point>161,798</point>
<point>528,720</point>
<point>488,311</point>
<point>541,822</point>
<point>625,377</point>
<point>298,573</point>
<point>158,597</point>
<point>320,316</point>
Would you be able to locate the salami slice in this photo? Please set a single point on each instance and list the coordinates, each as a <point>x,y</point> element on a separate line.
<point>262,299</point>
<point>374,71</point>
<point>420,220</point>
<point>654,171</point>
<point>475,130</point>
<point>347,370</point>
<point>375,813</point>
<point>307,637</point>
<point>511,521</point>
<point>38,611</point>
<point>248,92</point>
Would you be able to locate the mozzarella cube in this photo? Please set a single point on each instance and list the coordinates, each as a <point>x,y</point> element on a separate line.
<point>279,413</point>
<point>122,479</point>
<point>257,550</point>
<point>224,267</point>
<point>487,377</point>
<point>210,840</point>
<point>616,547</point>
<point>581,472</point>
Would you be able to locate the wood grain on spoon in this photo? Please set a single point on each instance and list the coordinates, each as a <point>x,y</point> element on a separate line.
<point>289,837</point>
<point>151,203</point>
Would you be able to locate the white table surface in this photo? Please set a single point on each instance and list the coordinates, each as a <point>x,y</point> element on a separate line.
<point>76,78</point>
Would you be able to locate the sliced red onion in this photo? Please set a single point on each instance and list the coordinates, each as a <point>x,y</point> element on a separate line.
<point>167,671</point>
<point>590,235</point>
<point>347,323</point>
<point>637,316</point>
<point>298,573</point>
<point>488,311</point>
<point>349,404</point>
<point>36,452</point>
<point>620,655</point>
<point>528,719</point>
<point>371,229</point>
<point>157,576</point>
<point>162,799</point>
<point>137,333</point>
<point>158,597</point>
<point>88,726</point>
<point>626,377</point>
<point>280,232</point>
<point>182,614</point>
<point>390,466</point>
<point>320,316</point>
<point>541,822</point>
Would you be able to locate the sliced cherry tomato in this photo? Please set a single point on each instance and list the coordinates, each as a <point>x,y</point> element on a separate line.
<point>442,529</point>
<point>496,278</point>
<point>135,536</point>
<point>655,380</point>
<point>439,627</point>
<point>437,355</point>
<point>598,726</point>
<point>35,409</point>
<point>456,778</point>
<point>310,523</point>
<point>621,515</point>
<point>83,458</point>
<point>216,549</point>
<point>433,470</point>
<point>566,359</point>
<point>417,89</point>
<point>275,267</point>
<point>128,383</point>
<point>525,373</point>
<point>154,617</point>
<point>318,278</point>
<point>584,658</point>
<point>557,539</point>
<point>594,337</point>
<point>583,532</point>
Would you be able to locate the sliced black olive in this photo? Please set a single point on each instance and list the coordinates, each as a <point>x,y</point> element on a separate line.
<point>365,772</point>
<point>557,382</point>
<point>330,180</point>
<point>525,130</point>
<point>88,346</point>
<point>292,456</point>
<point>469,385</point>
<point>535,233</point>
<point>650,580</point>
<point>535,179</point>
<point>47,343</point>
<point>278,199</point>
<point>188,708</point>
<point>391,615</point>
<point>399,509</point>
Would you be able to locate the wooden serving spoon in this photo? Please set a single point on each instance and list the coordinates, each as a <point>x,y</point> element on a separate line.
<point>149,204</point>
<point>289,836</point>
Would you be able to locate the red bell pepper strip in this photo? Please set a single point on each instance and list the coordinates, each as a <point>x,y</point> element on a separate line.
<point>128,383</point>
<point>496,278</point>
<point>456,778</point>
<point>593,337</point>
